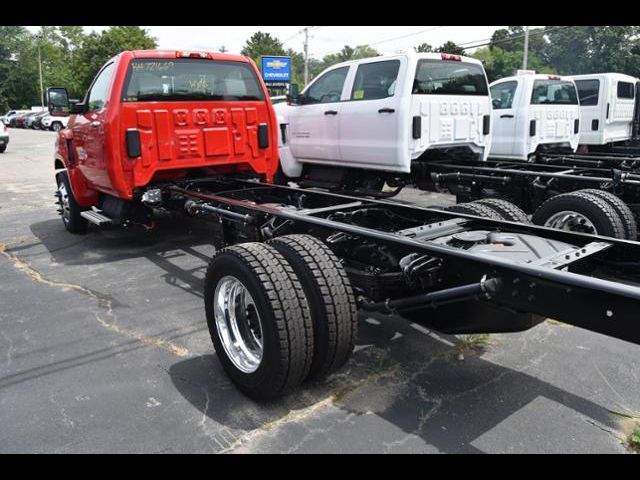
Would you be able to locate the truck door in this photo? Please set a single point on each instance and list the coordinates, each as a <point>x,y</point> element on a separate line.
<point>591,111</point>
<point>504,118</point>
<point>313,125</point>
<point>89,131</point>
<point>372,117</point>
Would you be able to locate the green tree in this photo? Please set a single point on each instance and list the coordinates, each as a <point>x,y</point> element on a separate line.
<point>349,53</point>
<point>423,48</point>
<point>501,63</point>
<point>262,43</point>
<point>590,49</point>
<point>17,68</point>
<point>97,48</point>
<point>451,47</point>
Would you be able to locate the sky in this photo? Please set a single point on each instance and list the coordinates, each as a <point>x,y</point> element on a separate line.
<point>323,40</point>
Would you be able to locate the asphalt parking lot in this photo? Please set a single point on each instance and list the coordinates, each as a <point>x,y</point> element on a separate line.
<point>104,348</point>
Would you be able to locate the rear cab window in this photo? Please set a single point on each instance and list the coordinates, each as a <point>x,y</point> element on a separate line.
<point>588,92</point>
<point>436,77</point>
<point>626,90</point>
<point>190,79</point>
<point>554,92</point>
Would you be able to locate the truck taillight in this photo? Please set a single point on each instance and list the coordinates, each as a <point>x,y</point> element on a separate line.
<point>451,57</point>
<point>192,55</point>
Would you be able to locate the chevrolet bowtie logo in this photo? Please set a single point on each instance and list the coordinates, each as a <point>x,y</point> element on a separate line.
<point>276,64</point>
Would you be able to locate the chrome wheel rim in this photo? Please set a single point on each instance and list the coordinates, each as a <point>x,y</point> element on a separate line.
<point>63,196</point>
<point>571,221</point>
<point>238,324</point>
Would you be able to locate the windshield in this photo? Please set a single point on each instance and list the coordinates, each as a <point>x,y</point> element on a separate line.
<point>435,77</point>
<point>187,79</point>
<point>554,92</point>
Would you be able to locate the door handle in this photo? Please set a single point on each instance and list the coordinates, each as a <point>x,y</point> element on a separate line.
<point>330,112</point>
<point>387,110</point>
<point>96,123</point>
<point>506,116</point>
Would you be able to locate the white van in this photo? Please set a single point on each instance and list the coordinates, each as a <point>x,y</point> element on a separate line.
<point>534,113</point>
<point>384,114</point>
<point>608,107</point>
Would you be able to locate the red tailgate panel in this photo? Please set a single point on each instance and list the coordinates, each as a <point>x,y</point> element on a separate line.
<point>179,138</point>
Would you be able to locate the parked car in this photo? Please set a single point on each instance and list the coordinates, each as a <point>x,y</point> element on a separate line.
<point>21,121</point>
<point>12,117</point>
<point>56,123</point>
<point>4,136</point>
<point>6,118</point>
<point>33,121</point>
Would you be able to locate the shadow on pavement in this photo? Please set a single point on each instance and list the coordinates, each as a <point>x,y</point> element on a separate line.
<point>176,240</point>
<point>414,382</point>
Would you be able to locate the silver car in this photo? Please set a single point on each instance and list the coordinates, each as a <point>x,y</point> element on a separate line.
<point>4,136</point>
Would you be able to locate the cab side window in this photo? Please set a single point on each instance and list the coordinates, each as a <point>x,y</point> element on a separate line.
<point>100,89</point>
<point>502,95</point>
<point>328,88</point>
<point>375,81</point>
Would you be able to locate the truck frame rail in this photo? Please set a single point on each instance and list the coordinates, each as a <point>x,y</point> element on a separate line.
<point>453,272</point>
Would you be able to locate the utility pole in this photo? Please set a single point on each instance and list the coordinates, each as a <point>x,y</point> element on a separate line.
<point>525,59</point>
<point>306,55</point>
<point>40,70</point>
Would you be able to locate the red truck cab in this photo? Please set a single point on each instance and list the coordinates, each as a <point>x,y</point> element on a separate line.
<point>154,116</point>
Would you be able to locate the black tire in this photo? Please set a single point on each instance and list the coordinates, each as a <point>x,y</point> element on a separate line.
<point>3,148</point>
<point>56,126</point>
<point>474,209</point>
<point>599,212</point>
<point>287,330</point>
<point>622,209</point>
<point>331,300</point>
<point>507,210</point>
<point>71,218</point>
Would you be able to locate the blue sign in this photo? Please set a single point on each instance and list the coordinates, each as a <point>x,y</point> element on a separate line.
<point>276,69</point>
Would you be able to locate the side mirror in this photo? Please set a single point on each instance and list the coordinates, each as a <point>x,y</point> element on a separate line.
<point>58,101</point>
<point>496,103</point>
<point>294,94</point>
<point>78,107</point>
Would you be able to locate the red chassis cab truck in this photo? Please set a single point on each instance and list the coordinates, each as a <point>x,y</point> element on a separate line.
<point>156,116</point>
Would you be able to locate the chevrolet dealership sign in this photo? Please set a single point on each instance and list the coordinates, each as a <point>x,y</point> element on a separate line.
<point>276,69</point>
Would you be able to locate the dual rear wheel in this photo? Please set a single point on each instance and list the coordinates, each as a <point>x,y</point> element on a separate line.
<point>279,313</point>
<point>591,211</point>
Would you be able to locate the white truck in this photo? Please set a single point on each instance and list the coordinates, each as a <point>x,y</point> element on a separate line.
<point>376,120</point>
<point>608,108</point>
<point>532,114</point>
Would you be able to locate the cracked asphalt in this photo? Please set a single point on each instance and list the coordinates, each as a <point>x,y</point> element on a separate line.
<point>104,348</point>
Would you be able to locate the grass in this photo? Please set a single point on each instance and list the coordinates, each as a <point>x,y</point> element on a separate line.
<point>634,439</point>
<point>473,343</point>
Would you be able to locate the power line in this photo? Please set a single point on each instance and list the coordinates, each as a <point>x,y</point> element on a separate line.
<point>298,33</point>
<point>392,39</point>
<point>488,41</point>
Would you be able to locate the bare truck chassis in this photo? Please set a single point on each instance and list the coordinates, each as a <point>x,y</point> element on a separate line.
<point>452,272</point>
<point>529,185</point>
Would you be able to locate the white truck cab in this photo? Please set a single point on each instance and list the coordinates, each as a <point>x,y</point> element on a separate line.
<point>608,107</point>
<point>533,113</point>
<point>386,113</point>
